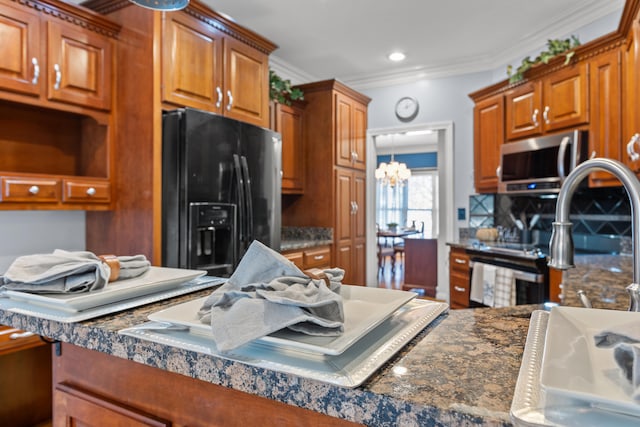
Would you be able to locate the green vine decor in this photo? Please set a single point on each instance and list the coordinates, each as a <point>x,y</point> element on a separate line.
<point>554,48</point>
<point>280,90</point>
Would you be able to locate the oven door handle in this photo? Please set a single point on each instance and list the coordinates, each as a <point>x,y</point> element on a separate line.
<point>520,275</point>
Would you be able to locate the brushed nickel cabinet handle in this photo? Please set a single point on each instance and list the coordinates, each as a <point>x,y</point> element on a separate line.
<point>219,102</point>
<point>631,150</point>
<point>230,104</point>
<point>91,191</point>
<point>318,257</point>
<point>34,189</point>
<point>459,261</point>
<point>534,117</point>
<point>545,114</point>
<point>36,71</point>
<point>56,85</point>
<point>459,289</point>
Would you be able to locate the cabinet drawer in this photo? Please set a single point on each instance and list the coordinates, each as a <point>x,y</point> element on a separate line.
<point>79,191</point>
<point>317,258</point>
<point>23,189</point>
<point>296,258</point>
<point>459,261</point>
<point>459,289</point>
<point>12,340</point>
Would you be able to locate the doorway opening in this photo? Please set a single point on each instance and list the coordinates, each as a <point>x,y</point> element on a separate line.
<point>430,137</point>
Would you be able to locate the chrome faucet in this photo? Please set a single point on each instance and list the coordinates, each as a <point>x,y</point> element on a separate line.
<point>561,247</point>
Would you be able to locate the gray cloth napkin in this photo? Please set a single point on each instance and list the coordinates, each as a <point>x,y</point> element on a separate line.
<point>625,341</point>
<point>67,272</point>
<point>267,293</point>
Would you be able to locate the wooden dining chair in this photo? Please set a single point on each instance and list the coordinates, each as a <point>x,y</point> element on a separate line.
<point>385,251</point>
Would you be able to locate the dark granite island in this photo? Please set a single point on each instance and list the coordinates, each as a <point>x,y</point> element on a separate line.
<point>460,370</point>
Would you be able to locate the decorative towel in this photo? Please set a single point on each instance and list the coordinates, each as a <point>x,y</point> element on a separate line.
<point>504,288</point>
<point>67,272</point>
<point>488,285</point>
<point>267,293</point>
<point>625,341</point>
<point>477,276</point>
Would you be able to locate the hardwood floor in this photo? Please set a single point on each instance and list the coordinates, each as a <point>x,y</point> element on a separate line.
<point>387,278</point>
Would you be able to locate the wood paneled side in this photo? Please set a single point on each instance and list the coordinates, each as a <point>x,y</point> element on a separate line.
<point>133,227</point>
<point>178,399</point>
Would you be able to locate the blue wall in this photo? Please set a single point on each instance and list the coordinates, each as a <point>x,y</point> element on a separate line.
<point>413,161</point>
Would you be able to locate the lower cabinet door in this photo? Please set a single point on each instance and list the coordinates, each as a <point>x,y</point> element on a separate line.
<point>76,407</point>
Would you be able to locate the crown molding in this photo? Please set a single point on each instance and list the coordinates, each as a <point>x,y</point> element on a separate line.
<point>288,71</point>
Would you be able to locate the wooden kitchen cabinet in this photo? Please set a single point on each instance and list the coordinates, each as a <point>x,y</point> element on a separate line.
<point>204,68</point>
<point>316,257</point>
<point>351,119</point>
<point>488,136</point>
<point>630,95</point>
<point>459,278</point>
<point>334,125</point>
<point>605,126</point>
<point>25,365</point>
<point>560,100</point>
<point>287,120</point>
<point>55,99</point>
<point>71,65</point>
<point>350,235</point>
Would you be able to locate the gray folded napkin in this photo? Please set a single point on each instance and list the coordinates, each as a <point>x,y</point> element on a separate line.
<point>66,272</point>
<point>625,341</point>
<point>267,293</point>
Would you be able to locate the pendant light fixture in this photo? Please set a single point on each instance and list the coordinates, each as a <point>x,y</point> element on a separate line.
<point>392,173</point>
<point>163,5</point>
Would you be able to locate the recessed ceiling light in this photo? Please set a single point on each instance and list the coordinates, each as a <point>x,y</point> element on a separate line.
<point>396,56</point>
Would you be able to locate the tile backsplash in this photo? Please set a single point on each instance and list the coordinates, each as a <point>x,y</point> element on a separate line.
<point>601,214</point>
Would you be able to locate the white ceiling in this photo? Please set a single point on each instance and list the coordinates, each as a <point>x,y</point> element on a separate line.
<point>350,39</point>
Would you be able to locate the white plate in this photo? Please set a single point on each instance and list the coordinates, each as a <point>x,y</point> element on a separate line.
<point>65,316</point>
<point>155,279</point>
<point>349,369</point>
<point>573,367</point>
<point>364,309</point>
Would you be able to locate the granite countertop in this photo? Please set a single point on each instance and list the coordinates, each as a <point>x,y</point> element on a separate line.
<point>460,370</point>
<point>294,238</point>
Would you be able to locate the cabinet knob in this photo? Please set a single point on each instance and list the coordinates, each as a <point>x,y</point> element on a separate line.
<point>545,114</point>
<point>36,71</point>
<point>34,189</point>
<point>459,289</point>
<point>354,156</point>
<point>631,149</point>
<point>56,68</point>
<point>219,102</point>
<point>91,191</point>
<point>230,104</point>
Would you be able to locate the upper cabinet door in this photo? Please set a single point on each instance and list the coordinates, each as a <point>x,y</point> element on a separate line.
<point>630,96</point>
<point>488,125</point>
<point>524,115</point>
<point>566,98</point>
<point>79,66</point>
<point>344,130</point>
<point>246,89</point>
<point>20,57</point>
<point>192,63</point>
<point>359,136</point>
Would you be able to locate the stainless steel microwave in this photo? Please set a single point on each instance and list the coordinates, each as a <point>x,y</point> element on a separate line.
<point>540,165</point>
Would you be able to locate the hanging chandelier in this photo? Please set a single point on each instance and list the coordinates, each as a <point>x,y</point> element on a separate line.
<point>392,173</point>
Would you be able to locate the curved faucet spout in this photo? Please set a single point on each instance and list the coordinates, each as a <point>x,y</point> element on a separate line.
<point>561,244</point>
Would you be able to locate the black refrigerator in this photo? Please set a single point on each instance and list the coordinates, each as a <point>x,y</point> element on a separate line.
<point>221,186</point>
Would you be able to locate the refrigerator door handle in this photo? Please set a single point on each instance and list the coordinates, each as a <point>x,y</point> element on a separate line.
<point>241,198</point>
<point>249,199</point>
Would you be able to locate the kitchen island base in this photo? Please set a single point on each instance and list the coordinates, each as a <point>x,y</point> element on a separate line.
<point>94,388</point>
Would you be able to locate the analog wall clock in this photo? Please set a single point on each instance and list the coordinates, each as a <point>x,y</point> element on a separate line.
<point>407,108</point>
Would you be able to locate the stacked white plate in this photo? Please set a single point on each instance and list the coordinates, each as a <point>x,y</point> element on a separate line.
<point>378,323</point>
<point>155,284</point>
<point>565,379</point>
